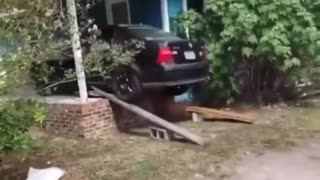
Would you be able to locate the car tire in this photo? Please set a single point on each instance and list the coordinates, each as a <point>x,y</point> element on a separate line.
<point>126,85</point>
<point>176,90</point>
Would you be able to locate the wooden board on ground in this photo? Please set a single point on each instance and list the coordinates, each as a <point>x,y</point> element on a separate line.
<point>208,113</point>
<point>153,118</point>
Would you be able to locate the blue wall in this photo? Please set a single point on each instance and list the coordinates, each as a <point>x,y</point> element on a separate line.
<point>146,12</point>
<point>175,8</point>
<point>149,11</point>
<point>98,12</point>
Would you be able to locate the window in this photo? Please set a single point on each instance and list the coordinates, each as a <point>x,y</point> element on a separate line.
<point>120,13</point>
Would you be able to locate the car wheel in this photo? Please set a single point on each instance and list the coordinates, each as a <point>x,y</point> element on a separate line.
<point>126,85</point>
<point>176,90</point>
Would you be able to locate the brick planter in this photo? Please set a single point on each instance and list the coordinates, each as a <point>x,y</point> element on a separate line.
<point>67,116</point>
<point>99,118</point>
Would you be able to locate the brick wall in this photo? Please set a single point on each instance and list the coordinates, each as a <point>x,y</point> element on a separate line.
<point>67,116</point>
<point>99,118</point>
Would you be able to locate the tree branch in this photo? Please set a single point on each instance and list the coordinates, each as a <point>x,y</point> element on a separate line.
<point>67,81</point>
<point>13,13</point>
<point>56,84</point>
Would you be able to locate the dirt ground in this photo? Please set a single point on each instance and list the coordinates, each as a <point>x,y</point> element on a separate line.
<point>302,162</point>
<point>283,140</point>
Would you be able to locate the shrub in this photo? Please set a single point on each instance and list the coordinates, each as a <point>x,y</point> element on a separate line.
<point>105,57</point>
<point>28,26</point>
<point>16,119</point>
<point>243,31</point>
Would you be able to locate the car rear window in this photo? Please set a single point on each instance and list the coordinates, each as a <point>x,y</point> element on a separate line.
<point>149,33</point>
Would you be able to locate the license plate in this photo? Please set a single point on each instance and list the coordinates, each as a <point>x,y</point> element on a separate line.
<point>189,55</point>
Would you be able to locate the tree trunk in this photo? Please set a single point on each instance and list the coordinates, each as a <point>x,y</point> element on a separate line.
<point>77,52</point>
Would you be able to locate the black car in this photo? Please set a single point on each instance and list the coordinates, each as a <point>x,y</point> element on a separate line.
<point>166,62</point>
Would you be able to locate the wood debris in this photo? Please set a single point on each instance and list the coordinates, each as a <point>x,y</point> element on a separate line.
<point>153,118</point>
<point>214,114</point>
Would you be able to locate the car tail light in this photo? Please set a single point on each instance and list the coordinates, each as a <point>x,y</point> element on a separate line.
<point>203,54</point>
<point>165,56</point>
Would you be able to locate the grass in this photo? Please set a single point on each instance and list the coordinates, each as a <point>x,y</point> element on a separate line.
<point>145,169</point>
<point>141,158</point>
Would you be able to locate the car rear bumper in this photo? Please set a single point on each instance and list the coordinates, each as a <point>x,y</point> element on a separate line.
<point>174,83</point>
<point>179,74</point>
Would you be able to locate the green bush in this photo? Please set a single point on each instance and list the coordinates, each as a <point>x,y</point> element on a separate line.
<point>16,117</point>
<point>241,31</point>
<point>28,26</point>
<point>105,57</point>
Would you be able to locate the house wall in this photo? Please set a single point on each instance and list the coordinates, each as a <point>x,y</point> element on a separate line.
<point>197,5</point>
<point>98,12</point>
<point>146,12</point>
<point>175,9</point>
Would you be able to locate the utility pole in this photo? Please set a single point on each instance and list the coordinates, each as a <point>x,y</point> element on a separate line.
<point>77,51</point>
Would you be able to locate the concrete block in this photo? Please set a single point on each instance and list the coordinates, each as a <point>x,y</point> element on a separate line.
<point>160,133</point>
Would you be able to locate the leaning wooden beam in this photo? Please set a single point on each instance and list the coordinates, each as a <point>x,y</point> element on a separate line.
<point>152,118</point>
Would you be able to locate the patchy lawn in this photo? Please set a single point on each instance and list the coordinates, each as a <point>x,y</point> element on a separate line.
<point>132,157</point>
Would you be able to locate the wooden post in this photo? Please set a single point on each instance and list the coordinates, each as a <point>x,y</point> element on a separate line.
<point>197,117</point>
<point>77,52</point>
<point>152,118</point>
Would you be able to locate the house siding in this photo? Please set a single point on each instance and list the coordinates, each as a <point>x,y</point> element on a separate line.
<point>175,9</point>
<point>98,12</point>
<point>197,5</point>
<point>146,12</point>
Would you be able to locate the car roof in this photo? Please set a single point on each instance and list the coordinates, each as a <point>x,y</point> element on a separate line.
<point>134,26</point>
<point>128,26</point>
<point>139,31</point>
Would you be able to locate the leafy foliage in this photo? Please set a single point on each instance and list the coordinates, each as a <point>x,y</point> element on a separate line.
<point>38,31</point>
<point>16,119</point>
<point>105,57</point>
<point>27,19</point>
<point>28,26</point>
<point>31,26</point>
<point>282,32</point>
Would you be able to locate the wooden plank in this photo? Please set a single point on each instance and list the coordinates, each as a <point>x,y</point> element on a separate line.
<point>208,113</point>
<point>216,114</point>
<point>153,118</point>
<point>197,117</point>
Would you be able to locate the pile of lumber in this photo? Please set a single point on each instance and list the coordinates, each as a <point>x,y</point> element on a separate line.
<point>214,114</point>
